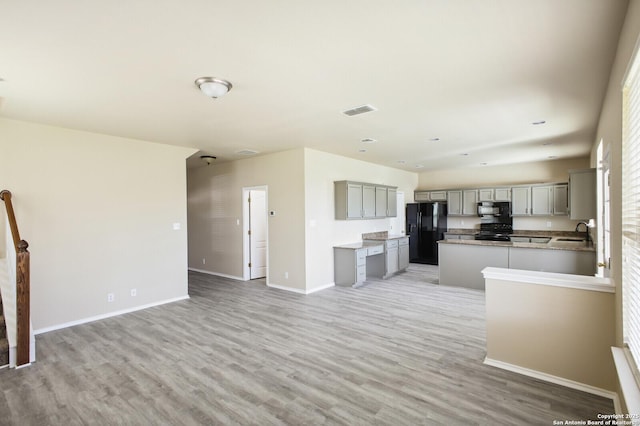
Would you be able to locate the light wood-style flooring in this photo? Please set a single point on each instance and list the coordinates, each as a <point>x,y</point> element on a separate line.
<point>398,352</point>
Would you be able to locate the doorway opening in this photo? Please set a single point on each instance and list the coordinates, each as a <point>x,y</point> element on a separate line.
<point>604,225</point>
<point>256,232</point>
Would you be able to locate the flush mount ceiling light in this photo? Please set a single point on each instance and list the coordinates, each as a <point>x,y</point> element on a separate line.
<point>537,123</point>
<point>368,140</point>
<point>207,159</point>
<point>213,87</point>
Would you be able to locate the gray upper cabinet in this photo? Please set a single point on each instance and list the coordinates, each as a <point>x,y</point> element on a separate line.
<point>542,200</point>
<point>356,200</point>
<point>392,202</point>
<point>381,201</point>
<point>486,194</point>
<point>470,202</point>
<point>368,201</point>
<point>502,194</point>
<point>582,194</point>
<point>454,203</point>
<point>560,199</point>
<point>520,200</point>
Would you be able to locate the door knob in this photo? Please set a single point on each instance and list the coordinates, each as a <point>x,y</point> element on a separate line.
<point>602,265</point>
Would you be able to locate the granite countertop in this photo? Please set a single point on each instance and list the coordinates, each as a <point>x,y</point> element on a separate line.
<point>554,244</point>
<point>520,233</point>
<point>381,236</point>
<point>359,245</point>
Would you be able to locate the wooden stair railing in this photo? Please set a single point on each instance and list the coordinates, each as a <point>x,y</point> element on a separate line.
<point>23,292</point>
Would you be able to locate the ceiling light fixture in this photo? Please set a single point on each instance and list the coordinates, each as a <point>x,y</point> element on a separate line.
<point>213,87</point>
<point>434,139</point>
<point>368,140</point>
<point>401,161</point>
<point>419,166</point>
<point>207,159</point>
<point>537,123</point>
<point>362,150</point>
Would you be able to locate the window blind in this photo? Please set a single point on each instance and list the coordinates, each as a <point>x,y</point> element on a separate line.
<point>631,211</point>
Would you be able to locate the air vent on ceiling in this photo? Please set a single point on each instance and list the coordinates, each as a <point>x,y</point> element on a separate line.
<point>247,152</point>
<point>359,110</point>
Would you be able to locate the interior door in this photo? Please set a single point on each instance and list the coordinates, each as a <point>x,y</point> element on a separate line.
<point>258,233</point>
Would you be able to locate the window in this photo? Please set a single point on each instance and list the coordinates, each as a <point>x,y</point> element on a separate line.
<point>631,210</point>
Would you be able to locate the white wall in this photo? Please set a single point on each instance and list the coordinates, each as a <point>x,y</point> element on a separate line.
<point>322,230</point>
<point>215,216</point>
<point>98,213</point>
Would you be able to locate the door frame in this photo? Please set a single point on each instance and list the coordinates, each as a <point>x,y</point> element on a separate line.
<point>246,244</point>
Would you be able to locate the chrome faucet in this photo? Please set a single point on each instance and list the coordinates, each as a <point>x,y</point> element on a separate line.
<point>586,230</point>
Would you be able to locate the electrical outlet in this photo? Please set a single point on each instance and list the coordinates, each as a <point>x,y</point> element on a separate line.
<point>548,224</point>
<point>286,275</point>
<point>203,261</point>
<point>110,297</point>
<point>134,292</point>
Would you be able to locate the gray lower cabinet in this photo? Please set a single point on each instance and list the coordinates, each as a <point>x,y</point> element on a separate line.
<point>351,266</point>
<point>391,247</point>
<point>560,261</point>
<point>403,253</point>
<point>460,264</point>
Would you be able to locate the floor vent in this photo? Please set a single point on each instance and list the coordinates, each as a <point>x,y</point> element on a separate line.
<point>359,110</point>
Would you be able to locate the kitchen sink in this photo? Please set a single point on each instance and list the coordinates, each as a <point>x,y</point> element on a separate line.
<point>574,240</point>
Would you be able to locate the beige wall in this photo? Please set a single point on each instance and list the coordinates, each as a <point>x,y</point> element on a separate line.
<point>322,230</point>
<point>216,222</point>
<point>564,332</point>
<point>522,173</point>
<point>98,213</point>
<point>610,132</point>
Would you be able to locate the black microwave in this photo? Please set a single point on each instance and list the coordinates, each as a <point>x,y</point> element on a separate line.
<point>494,209</point>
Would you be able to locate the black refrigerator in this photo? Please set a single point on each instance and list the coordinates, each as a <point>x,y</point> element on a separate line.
<point>426,225</point>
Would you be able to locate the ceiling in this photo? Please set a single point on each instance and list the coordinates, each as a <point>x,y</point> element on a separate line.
<point>456,83</point>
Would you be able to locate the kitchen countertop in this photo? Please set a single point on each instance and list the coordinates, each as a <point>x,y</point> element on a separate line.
<point>359,245</point>
<point>520,233</point>
<point>382,236</point>
<point>554,244</point>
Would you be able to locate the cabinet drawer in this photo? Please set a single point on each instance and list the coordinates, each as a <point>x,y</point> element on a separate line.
<point>392,244</point>
<point>361,273</point>
<point>403,242</point>
<point>374,250</point>
<point>361,256</point>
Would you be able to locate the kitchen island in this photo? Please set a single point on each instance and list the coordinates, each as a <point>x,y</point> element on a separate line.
<point>461,261</point>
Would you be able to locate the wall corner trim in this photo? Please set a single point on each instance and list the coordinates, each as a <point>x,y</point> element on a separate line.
<point>299,290</point>
<point>233,277</point>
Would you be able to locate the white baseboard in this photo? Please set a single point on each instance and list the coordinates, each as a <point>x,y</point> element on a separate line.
<point>553,379</point>
<point>299,290</point>
<point>202,271</point>
<point>107,315</point>
<point>323,287</point>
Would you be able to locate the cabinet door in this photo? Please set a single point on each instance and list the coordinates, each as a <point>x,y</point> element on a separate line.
<point>403,256</point>
<point>392,202</point>
<point>502,194</point>
<point>470,202</point>
<point>485,194</point>
<point>542,200</point>
<point>582,194</point>
<point>421,196</point>
<point>438,196</point>
<point>520,200</point>
<point>368,201</point>
<point>381,201</point>
<point>392,260</point>
<point>560,199</point>
<point>454,203</point>
<point>354,201</point>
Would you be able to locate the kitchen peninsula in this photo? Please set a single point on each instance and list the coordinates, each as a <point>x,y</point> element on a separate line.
<point>461,261</point>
